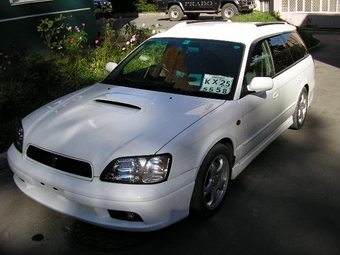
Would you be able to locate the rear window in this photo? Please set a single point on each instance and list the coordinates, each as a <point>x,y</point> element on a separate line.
<point>296,45</point>
<point>286,50</point>
<point>281,54</point>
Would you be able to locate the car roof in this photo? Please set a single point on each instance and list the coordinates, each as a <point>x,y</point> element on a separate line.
<point>243,32</point>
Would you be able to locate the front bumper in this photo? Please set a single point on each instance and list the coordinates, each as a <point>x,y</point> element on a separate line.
<point>247,7</point>
<point>158,205</point>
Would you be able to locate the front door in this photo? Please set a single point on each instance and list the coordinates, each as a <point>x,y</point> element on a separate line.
<point>260,109</point>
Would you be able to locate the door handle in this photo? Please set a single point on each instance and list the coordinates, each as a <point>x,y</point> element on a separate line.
<point>275,95</point>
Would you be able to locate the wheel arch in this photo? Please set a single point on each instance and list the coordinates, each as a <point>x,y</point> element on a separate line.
<point>230,145</point>
<point>175,3</point>
<point>226,142</point>
<point>307,88</point>
<point>222,3</point>
<point>199,206</point>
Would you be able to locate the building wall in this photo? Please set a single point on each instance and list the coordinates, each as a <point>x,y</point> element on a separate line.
<point>315,13</point>
<point>19,20</point>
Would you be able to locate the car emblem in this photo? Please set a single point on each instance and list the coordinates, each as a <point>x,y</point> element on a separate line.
<point>54,160</point>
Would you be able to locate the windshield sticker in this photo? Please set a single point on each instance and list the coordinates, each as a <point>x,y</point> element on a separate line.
<point>195,79</point>
<point>218,84</point>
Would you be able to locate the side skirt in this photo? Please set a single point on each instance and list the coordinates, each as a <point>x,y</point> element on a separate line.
<point>245,161</point>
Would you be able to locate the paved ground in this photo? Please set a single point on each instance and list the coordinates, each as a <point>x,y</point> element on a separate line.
<point>286,202</point>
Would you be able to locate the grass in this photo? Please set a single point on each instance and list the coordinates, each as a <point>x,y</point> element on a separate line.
<point>257,16</point>
<point>27,82</point>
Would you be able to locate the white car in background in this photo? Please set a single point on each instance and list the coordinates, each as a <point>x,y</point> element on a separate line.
<point>161,136</point>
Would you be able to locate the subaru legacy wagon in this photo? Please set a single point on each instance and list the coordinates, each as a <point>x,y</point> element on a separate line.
<point>164,133</point>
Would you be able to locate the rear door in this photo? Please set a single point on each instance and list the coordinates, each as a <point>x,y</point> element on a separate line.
<point>292,69</point>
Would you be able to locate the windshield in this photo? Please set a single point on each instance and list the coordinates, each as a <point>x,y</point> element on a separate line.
<point>186,66</point>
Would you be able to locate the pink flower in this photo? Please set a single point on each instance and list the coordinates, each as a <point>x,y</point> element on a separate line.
<point>72,41</point>
<point>96,41</point>
<point>127,43</point>
<point>83,24</point>
<point>133,38</point>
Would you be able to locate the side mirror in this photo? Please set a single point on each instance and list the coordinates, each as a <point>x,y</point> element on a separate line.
<point>110,66</point>
<point>259,84</point>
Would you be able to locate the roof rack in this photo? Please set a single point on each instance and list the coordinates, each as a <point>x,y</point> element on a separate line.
<point>206,21</point>
<point>261,24</point>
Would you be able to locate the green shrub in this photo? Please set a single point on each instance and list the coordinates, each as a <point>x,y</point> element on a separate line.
<point>257,16</point>
<point>145,6</point>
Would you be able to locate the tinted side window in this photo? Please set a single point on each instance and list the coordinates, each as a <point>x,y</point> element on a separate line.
<point>281,54</point>
<point>296,45</point>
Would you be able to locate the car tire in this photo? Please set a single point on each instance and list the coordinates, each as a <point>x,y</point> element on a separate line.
<point>193,16</point>
<point>175,13</point>
<point>301,110</point>
<point>228,11</point>
<point>211,182</point>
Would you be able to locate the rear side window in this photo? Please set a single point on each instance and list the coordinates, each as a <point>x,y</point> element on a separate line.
<point>296,45</point>
<point>280,52</point>
<point>286,50</point>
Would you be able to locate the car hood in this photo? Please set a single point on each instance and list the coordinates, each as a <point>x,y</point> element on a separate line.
<point>104,122</point>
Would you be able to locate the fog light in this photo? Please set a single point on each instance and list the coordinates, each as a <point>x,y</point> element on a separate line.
<point>121,215</point>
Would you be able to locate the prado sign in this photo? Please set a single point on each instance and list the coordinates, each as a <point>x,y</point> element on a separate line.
<point>198,3</point>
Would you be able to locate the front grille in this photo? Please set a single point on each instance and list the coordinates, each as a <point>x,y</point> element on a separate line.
<point>62,163</point>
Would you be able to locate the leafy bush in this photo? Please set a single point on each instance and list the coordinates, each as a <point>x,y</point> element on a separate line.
<point>257,16</point>
<point>145,6</point>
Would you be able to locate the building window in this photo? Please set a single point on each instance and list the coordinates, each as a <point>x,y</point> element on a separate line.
<point>310,6</point>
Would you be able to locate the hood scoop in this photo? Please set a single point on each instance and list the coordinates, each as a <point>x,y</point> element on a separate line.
<point>119,106</point>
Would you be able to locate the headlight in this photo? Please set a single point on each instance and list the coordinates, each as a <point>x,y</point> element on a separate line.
<point>138,170</point>
<point>19,138</point>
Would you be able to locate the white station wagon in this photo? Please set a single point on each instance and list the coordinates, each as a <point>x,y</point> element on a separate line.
<point>161,136</point>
